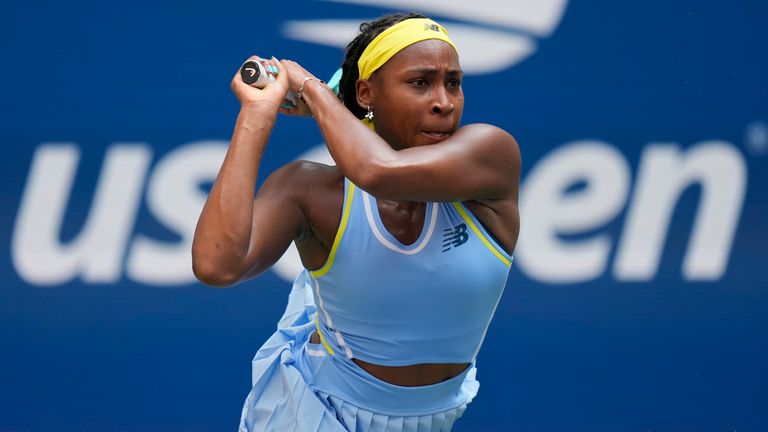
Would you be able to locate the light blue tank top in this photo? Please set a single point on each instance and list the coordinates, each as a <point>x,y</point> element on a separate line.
<point>392,304</point>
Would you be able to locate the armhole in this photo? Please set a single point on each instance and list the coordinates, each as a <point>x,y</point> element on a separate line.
<point>482,234</point>
<point>349,194</point>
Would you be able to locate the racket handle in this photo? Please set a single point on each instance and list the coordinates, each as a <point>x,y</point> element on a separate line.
<point>255,74</point>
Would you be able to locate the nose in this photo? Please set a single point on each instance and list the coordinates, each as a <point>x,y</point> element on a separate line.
<point>442,102</point>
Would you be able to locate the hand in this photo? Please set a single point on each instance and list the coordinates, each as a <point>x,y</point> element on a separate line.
<point>297,75</point>
<point>300,109</point>
<point>271,96</point>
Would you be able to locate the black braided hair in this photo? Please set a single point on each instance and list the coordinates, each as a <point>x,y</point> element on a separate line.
<point>350,73</point>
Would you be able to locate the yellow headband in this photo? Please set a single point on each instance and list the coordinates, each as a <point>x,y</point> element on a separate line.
<point>394,39</point>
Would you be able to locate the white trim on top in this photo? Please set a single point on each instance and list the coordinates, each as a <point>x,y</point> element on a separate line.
<point>315,353</point>
<point>343,344</point>
<point>384,241</point>
<point>321,305</point>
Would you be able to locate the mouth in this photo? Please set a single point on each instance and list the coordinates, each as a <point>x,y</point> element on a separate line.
<point>436,135</point>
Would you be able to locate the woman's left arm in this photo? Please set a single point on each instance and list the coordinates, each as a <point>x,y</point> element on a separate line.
<point>477,162</point>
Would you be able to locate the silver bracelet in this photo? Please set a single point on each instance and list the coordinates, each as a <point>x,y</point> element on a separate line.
<point>301,87</point>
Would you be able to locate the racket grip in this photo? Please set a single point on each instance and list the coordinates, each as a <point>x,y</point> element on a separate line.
<point>255,74</point>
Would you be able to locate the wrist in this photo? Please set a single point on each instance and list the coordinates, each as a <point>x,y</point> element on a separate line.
<point>256,117</point>
<point>306,83</point>
<point>259,109</point>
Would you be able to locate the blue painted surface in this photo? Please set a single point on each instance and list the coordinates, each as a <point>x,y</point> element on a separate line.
<point>667,354</point>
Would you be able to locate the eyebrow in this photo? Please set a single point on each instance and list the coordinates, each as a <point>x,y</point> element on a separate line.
<point>432,71</point>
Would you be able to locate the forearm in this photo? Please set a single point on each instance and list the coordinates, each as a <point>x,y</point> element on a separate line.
<point>222,238</point>
<point>358,151</point>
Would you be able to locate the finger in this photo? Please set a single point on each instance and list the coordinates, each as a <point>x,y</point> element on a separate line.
<point>237,81</point>
<point>282,72</point>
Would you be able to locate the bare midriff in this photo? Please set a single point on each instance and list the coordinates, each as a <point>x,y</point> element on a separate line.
<point>411,375</point>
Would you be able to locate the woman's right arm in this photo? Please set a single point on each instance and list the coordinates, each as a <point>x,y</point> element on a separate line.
<point>239,236</point>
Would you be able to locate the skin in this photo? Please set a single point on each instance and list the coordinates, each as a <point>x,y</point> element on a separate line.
<point>417,154</point>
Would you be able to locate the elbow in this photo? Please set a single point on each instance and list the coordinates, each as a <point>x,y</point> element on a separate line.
<point>212,275</point>
<point>374,179</point>
<point>369,181</point>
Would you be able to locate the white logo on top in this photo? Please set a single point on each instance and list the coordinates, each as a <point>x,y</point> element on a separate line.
<point>492,35</point>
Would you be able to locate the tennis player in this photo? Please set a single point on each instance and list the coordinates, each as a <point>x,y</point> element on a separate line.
<point>406,242</point>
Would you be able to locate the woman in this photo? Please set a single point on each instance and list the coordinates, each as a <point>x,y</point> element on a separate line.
<point>406,241</point>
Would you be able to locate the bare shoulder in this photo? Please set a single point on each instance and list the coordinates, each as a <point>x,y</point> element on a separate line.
<point>496,153</point>
<point>490,136</point>
<point>498,149</point>
<point>489,129</point>
<point>317,189</point>
<point>305,177</point>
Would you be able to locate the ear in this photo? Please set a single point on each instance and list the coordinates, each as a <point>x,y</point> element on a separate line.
<point>364,92</point>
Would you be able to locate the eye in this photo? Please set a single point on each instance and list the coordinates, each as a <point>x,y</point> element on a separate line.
<point>454,83</point>
<point>418,82</point>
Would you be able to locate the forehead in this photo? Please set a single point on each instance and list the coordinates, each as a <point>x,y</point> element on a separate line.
<point>432,53</point>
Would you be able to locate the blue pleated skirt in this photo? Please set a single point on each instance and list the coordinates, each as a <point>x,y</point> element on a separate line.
<point>298,386</point>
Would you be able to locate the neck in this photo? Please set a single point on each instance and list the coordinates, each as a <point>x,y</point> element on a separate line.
<point>401,205</point>
<point>395,144</point>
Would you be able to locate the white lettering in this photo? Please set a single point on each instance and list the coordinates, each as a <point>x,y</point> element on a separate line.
<point>549,211</point>
<point>176,200</point>
<point>566,199</point>
<point>664,173</point>
<point>96,254</point>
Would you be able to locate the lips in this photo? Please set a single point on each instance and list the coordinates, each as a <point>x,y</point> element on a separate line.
<point>436,134</point>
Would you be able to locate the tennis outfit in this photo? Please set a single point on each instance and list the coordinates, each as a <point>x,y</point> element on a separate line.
<point>385,303</point>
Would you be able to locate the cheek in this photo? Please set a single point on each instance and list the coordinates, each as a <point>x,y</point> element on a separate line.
<point>459,103</point>
<point>411,111</point>
<point>401,112</point>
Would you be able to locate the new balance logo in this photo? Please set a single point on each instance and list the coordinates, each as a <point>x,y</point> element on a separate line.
<point>454,237</point>
<point>432,27</point>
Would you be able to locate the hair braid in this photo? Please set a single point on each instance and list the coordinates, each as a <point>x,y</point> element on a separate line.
<point>350,73</point>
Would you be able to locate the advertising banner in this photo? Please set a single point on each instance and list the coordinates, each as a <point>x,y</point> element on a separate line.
<point>638,298</point>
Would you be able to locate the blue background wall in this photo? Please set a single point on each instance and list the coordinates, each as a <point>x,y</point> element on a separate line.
<point>601,353</point>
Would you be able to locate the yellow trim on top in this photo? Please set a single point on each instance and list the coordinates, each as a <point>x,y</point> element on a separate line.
<point>322,339</point>
<point>342,227</point>
<point>480,235</point>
